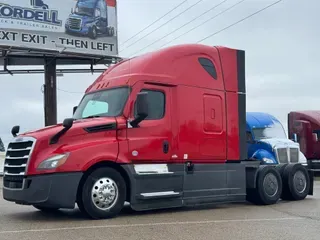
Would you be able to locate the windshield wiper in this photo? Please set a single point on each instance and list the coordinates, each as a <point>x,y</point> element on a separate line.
<point>84,14</point>
<point>93,116</point>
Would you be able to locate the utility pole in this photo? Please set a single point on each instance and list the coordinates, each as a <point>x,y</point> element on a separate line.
<point>50,92</point>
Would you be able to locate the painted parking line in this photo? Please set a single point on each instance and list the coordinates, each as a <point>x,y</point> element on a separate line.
<point>151,224</point>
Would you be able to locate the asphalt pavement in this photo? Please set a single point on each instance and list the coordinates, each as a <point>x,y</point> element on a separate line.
<point>285,220</point>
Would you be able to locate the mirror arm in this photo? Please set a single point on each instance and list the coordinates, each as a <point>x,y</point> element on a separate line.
<point>135,122</point>
<point>67,124</point>
<point>56,137</point>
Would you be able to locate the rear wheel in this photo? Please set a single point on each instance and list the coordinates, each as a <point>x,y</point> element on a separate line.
<point>268,186</point>
<point>103,194</point>
<point>296,182</point>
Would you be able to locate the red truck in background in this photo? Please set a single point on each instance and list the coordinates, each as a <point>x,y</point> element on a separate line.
<point>162,130</point>
<point>304,128</point>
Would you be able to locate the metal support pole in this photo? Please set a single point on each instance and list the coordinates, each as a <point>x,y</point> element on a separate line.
<point>50,92</point>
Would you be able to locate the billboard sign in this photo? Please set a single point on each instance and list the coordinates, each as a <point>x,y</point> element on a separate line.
<point>77,26</point>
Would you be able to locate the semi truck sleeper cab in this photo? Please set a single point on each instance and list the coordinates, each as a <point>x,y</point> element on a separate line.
<point>89,18</point>
<point>161,130</point>
<point>267,141</point>
<point>304,128</point>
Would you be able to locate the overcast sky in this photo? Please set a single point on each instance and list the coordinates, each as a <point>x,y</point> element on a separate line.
<point>281,44</point>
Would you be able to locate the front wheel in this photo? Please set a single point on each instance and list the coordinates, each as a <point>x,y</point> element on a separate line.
<point>93,32</point>
<point>103,194</point>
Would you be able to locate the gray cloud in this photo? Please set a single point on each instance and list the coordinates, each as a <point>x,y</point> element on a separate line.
<point>281,46</point>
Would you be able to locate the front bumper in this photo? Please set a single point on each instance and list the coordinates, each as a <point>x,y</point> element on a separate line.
<point>314,164</point>
<point>82,32</point>
<point>49,190</point>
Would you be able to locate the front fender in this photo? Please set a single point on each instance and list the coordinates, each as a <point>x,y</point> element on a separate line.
<point>262,153</point>
<point>302,158</point>
<point>83,154</point>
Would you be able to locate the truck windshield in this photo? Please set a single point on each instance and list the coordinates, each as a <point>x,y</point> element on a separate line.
<point>85,7</point>
<point>106,103</point>
<point>276,131</point>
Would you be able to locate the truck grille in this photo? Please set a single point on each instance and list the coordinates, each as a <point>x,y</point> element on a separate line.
<point>294,155</point>
<point>75,24</point>
<point>282,155</point>
<point>16,161</point>
<point>285,155</point>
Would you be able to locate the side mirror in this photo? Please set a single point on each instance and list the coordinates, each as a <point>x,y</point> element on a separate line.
<point>295,137</point>
<point>142,108</point>
<point>15,130</point>
<point>315,137</point>
<point>71,10</point>
<point>74,109</point>
<point>67,123</point>
<point>97,13</point>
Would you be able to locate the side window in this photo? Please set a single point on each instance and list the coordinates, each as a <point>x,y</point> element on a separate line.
<point>207,64</point>
<point>318,133</point>
<point>156,103</point>
<point>95,108</point>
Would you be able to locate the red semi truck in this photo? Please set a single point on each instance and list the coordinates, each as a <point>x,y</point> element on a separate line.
<point>162,130</point>
<point>304,128</point>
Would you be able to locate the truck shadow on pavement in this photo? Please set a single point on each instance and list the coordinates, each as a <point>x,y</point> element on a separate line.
<point>127,212</point>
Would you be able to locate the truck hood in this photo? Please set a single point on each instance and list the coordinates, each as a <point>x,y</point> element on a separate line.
<point>85,18</point>
<point>77,129</point>
<point>284,142</point>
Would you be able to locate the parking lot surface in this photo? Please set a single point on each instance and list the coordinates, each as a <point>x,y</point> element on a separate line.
<point>285,220</point>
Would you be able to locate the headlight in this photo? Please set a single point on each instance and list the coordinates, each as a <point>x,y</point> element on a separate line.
<point>267,160</point>
<point>54,161</point>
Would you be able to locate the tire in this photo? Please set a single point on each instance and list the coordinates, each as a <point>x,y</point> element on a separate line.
<point>93,32</point>
<point>268,186</point>
<point>91,205</point>
<point>296,182</point>
<point>110,31</point>
<point>280,167</point>
<point>46,209</point>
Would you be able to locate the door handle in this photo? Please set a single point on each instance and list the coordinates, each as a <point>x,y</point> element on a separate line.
<point>165,146</point>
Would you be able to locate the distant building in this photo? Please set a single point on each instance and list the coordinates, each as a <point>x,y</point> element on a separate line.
<point>2,149</point>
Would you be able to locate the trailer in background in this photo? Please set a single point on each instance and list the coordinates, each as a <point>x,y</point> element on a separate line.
<point>304,128</point>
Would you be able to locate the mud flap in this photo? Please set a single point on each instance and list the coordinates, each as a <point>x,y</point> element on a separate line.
<point>311,177</point>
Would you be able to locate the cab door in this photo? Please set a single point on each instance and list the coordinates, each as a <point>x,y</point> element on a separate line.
<point>158,176</point>
<point>152,140</point>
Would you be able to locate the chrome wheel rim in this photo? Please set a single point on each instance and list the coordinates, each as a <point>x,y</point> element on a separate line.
<point>299,181</point>
<point>270,184</point>
<point>104,193</point>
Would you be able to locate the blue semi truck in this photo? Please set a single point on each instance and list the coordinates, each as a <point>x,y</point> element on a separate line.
<point>89,18</point>
<point>267,141</point>
<point>39,4</point>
